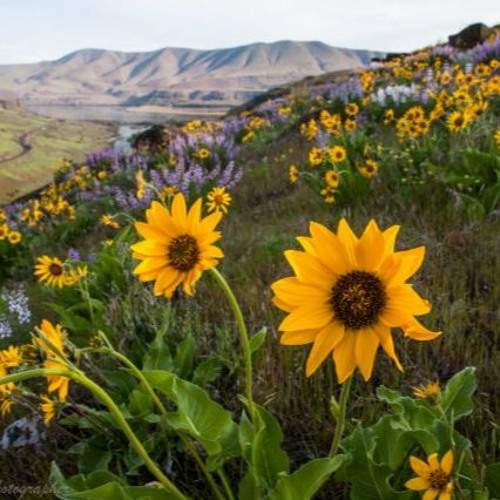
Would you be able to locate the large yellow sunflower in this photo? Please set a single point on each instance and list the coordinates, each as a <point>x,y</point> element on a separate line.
<point>178,245</point>
<point>347,294</point>
<point>50,270</point>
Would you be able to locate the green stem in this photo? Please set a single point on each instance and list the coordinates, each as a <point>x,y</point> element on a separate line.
<point>344,396</point>
<point>225,482</point>
<point>115,411</point>
<point>245,341</point>
<point>164,412</point>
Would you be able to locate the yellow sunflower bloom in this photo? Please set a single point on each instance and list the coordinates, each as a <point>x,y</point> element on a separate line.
<point>51,271</point>
<point>178,246</point>
<point>433,476</point>
<point>48,407</point>
<point>218,199</point>
<point>347,294</point>
<point>425,391</point>
<point>56,336</point>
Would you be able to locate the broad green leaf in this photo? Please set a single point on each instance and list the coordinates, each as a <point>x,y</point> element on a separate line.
<point>369,480</point>
<point>457,396</point>
<point>101,485</point>
<point>492,479</point>
<point>307,480</point>
<point>197,414</point>
<point>140,402</point>
<point>184,357</point>
<point>207,371</point>
<point>95,455</point>
<point>268,459</point>
<point>158,355</point>
<point>395,441</point>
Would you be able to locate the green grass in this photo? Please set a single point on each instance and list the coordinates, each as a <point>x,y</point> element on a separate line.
<point>51,140</point>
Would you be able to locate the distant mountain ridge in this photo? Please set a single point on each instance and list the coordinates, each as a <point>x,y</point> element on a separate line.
<point>171,76</point>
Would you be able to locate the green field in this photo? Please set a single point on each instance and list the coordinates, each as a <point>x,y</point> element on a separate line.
<point>50,140</point>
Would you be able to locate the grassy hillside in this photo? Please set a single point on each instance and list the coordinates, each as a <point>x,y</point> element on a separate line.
<point>413,143</point>
<point>47,141</point>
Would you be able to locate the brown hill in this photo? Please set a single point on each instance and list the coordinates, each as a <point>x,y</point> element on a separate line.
<point>173,75</point>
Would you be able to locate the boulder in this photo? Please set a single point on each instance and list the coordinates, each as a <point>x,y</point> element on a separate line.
<point>469,37</point>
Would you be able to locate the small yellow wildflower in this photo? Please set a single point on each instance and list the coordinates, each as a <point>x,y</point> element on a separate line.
<point>337,154</point>
<point>48,407</point>
<point>14,237</point>
<point>218,199</point>
<point>332,178</point>
<point>433,476</point>
<point>425,391</point>
<point>316,157</point>
<point>293,173</point>
<point>107,220</point>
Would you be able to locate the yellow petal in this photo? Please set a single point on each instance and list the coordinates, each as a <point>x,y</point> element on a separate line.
<point>349,240</point>
<point>299,337</point>
<point>405,297</point>
<point>151,231</point>
<point>293,292</point>
<point>194,216</point>
<point>344,356</point>
<point>150,248</point>
<point>415,330</point>
<point>404,265</point>
<point>309,270</point>
<point>329,249</point>
<point>179,213</point>
<point>165,277</point>
<point>326,340</point>
<point>386,341</point>
<point>433,461</point>
<point>307,318</point>
<point>367,343</point>
<point>390,235</point>
<point>430,494</point>
<point>150,264</point>
<point>370,248</point>
<point>417,484</point>
<point>420,467</point>
<point>447,462</point>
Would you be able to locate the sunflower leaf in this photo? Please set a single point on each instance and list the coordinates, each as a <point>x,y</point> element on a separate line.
<point>307,480</point>
<point>457,396</point>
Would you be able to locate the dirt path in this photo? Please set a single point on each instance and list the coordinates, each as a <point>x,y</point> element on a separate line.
<point>23,141</point>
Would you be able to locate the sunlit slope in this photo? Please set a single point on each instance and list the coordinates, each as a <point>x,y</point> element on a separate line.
<point>30,147</point>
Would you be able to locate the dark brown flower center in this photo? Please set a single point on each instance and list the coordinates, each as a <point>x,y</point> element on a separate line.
<point>439,480</point>
<point>55,269</point>
<point>183,253</point>
<point>358,298</point>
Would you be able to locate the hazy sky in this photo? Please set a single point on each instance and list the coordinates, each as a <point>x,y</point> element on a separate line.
<point>35,30</point>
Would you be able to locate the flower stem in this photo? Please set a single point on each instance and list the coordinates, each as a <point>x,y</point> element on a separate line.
<point>344,396</point>
<point>139,375</point>
<point>245,341</point>
<point>80,378</point>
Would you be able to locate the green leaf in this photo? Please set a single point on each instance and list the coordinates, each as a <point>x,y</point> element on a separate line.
<point>95,455</point>
<point>268,459</point>
<point>492,479</point>
<point>258,339</point>
<point>307,480</point>
<point>207,371</point>
<point>102,485</point>
<point>184,357</point>
<point>158,356</point>
<point>457,396</point>
<point>370,480</point>
<point>197,414</point>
